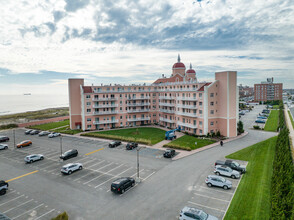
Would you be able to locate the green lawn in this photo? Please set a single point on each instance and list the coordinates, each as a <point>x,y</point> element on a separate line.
<point>291,118</point>
<point>51,125</point>
<point>188,143</point>
<point>272,121</point>
<point>252,199</point>
<point>148,136</point>
<point>67,130</point>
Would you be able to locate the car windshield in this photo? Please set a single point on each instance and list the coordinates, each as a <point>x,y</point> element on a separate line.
<point>112,142</point>
<point>229,169</point>
<point>203,215</point>
<point>222,179</point>
<point>236,164</point>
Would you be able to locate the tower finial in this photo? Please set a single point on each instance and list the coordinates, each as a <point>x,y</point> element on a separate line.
<point>179,58</point>
<point>190,66</point>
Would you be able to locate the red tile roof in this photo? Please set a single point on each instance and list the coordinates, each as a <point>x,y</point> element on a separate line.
<point>87,89</point>
<point>202,87</point>
<point>171,79</point>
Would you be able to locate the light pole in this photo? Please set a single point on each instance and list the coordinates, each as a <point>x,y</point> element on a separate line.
<point>60,145</point>
<point>14,138</point>
<point>138,171</point>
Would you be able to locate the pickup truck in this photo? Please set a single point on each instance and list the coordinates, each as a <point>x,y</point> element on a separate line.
<point>233,164</point>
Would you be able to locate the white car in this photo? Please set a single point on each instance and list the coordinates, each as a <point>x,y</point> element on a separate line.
<point>226,171</point>
<point>71,167</point>
<point>53,134</point>
<point>3,146</point>
<point>188,213</point>
<point>33,157</point>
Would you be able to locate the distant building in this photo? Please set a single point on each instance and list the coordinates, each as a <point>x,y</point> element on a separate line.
<point>268,91</point>
<point>245,91</point>
<point>179,100</point>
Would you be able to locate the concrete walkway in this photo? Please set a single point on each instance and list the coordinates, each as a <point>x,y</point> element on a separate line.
<point>290,127</point>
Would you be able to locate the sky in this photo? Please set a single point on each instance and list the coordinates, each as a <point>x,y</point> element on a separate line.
<point>43,43</point>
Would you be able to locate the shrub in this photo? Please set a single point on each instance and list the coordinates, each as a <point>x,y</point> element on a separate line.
<point>8,126</point>
<point>240,127</point>
<point>256,127</point>
<point>218,134</point>
<point>61,216</point>
<point>175,146</point>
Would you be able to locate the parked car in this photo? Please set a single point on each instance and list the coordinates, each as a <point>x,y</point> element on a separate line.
<point>53,134</point>
<point>260,121</point>
<point>266,111</point>
<point>3,187</point>
<point>169,153</point>
<point>242,113</point>
<point>219,181</point>
<point>33,132</point>
<point>122,184</point>
<point>69,154</point>
<point>226,171</point>
<point>261,117</point>
<point>188,213</point>
<point>131,146</point>
<point>4,138</point>
<point>114,144</point>
<point>33,157</point>
<point>44,133</point>
<point>71,167</point>
<point>264,115</point>
<point>28,131</point>
<point>24,144</point>
<point>3,146</point>
<point>233,164</point>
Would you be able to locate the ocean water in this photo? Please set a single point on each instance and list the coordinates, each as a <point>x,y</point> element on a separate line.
<point>10,104</point>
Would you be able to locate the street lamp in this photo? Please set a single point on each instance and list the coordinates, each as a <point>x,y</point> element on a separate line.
<point>60,145</point>
<point>138,172</point>
<point>13,138</point>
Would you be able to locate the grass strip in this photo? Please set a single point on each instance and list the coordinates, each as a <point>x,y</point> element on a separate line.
<point>292,122</point>
<point>52,125</point>
<point>272,121</point>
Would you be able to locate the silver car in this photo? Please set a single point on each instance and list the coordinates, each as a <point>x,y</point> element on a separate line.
<point>226,171</point>
<point>188,213</point>
<point>33,157</point>
<point>219,181</point>
<point>3,146</point>
<point>53,134</point>
<point>71,167</point>
<point>43,133</point>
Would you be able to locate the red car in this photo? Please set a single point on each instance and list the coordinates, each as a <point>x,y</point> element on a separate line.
<point>24,144</point>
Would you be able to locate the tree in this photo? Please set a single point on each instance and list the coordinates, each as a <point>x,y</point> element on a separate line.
<point>240,127</point>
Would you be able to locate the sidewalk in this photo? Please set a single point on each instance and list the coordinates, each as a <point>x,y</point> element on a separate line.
<point>290,127</point>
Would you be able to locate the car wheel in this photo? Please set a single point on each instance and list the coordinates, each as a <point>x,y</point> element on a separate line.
<point>217,173</point>
<point>122,191</point>
<point>69,172</point>
<point>42,158</point>
<point>80,167</point>
<point>31,161</point>
<point>2,192</point>
<point>233,176</point>
<point>209,184</point>
<point>5,148</point>
<point>225,187</point>
<point>133,184</point>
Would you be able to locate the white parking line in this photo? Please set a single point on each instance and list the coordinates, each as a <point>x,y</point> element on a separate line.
<point>147,176</point>
<point>91,160</point>
<point>222,191</point>
<point>96,163</point>
<point>17,206</point>
<point>99,175</point>
<point>206,206</point>
<point>210,197</point>
<point>45,214</point>
<point>27,211</point>
<point>11,200</point>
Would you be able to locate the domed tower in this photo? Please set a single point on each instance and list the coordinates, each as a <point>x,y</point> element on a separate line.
<point>179,67</point>
<point>190,74</point>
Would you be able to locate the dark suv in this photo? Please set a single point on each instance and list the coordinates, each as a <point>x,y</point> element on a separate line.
<point>131,146</point>
<point>4,138</point>
<point>114,144</point>
<point>69,154</point>
<point>169,153</point>
<point>122,184</point>
<point>3,187</point>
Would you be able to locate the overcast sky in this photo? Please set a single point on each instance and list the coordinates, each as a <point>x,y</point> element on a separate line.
<point>43,43</point>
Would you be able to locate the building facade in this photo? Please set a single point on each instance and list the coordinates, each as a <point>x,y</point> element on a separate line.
<point>180,100</point>
<point>268,91</point>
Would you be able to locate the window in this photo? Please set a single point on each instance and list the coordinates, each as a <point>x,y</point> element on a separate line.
<point>88,110</point>
<point>200,131</point>
<point>120,117</point>
<point>211,103</point>
<point>200,112</point>
<point>200,95</point>
<point>88,103</point>
<point>211,123</point>
<point>211,94</point>
<point>88,96</point>
<point>200,122</point>
<point>88,119</point>
<point>89,126</point>
<point>212,112</point>
<point>200,103</point>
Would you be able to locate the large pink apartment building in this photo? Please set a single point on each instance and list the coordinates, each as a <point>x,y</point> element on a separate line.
<point>180,100</point>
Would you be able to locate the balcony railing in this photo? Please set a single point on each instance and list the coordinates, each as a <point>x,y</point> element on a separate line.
<point>188,106</point>
<point>187,125</point>
<point>138,98</point>
<point>105,113</point>
<point>104,122</point>
<point>194,115</point>
<point>167,104</point>
<point>187,98</point>
<point>105,106</point>
<point>137,110</point>
<point>104,99</point>
<point>166,120</point>
<point>167,97</point>
<point>138,104</point>
<point>167,111</point>
<point>139,119</point>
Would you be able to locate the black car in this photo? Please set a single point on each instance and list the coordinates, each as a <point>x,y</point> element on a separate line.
<point>169,153</point>
<point>114,144</point>
<point>33,132</point>
<point>122,184</point>
<point>4,138</point>
<point>69,154</point>
<point>131,146</point>
<point>3,187</point>
<point>28,131</point>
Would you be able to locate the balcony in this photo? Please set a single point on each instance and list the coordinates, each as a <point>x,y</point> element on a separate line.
<point>105,106</point>
<point>137,110</point>
<point>138,104</point>
<point>167,111</point>
<point>139,98</point>
<point>194,115</point>
<point>167,97</point>
<point>139,119</point>
<point>188,106</point>
<point>187,98</point>
<point>166,120</point>
<point>187,125</point>
<point>167,104</point>
<point>105,122</point>
<point>105,113</point>
<point>104,99</point>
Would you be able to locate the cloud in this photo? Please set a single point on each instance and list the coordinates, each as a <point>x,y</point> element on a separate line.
<point>74,5</point>
<point>58,15</point>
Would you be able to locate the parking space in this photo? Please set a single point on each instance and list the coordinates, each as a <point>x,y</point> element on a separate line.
<point>213,200</point>
<point>16,205</point>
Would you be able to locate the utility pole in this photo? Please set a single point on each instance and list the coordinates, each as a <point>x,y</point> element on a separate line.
<point>60,145</point>
<point>138,165</point>
<point>13,138</point>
